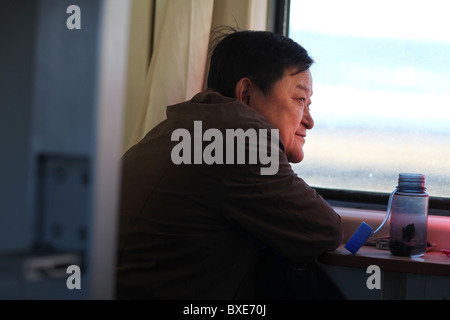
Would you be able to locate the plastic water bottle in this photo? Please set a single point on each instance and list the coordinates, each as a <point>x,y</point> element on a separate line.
<point>409,216</point>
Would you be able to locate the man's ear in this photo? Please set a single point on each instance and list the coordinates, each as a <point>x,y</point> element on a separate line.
<point>244,89</point>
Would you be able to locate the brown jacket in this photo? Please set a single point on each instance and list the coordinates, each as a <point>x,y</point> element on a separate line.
<point>193,231</point>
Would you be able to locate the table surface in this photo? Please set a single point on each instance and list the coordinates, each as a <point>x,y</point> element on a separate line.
<point>431,263</point>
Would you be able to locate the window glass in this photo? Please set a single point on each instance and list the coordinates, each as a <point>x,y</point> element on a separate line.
<point>381,101</point>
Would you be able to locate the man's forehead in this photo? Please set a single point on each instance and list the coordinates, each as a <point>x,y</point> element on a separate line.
<point>303,80</point>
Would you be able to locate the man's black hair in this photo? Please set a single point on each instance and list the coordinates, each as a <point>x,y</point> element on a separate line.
<point>261,56</point>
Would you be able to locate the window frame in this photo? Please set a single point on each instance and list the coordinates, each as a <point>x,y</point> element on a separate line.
<point>439,206</point>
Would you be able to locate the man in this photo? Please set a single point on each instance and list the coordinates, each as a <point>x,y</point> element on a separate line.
<point>199,219</point>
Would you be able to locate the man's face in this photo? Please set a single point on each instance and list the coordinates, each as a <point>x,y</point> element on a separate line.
<point>286,106</point>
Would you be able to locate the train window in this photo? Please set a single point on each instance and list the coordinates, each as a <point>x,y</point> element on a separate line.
<point>381,100</point>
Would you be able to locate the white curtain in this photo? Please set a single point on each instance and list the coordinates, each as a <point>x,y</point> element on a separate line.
<point>178,63</point>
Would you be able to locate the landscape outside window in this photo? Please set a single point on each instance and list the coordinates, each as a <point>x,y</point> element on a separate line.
<point>381,101</point>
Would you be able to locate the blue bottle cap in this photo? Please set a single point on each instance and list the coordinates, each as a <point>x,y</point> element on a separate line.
<point>359,238</point>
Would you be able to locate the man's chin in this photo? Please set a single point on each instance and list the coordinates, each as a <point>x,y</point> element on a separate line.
<point>295,157</point>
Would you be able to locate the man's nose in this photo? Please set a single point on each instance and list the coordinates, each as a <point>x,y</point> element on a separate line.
<point>307,119</point>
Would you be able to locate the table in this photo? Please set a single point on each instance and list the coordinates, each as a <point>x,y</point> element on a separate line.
<point>395,268</point>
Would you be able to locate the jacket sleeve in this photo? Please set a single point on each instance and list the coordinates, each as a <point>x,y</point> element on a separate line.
<point>281,211</point>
